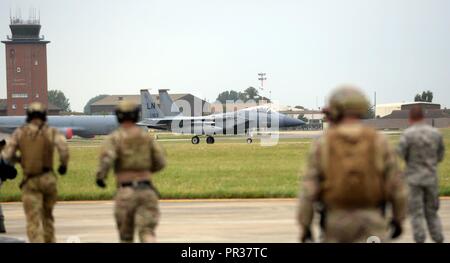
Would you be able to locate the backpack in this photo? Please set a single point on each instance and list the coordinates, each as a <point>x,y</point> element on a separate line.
<point>352,168</point>
<point>36,149</point>
<point>134,152</point>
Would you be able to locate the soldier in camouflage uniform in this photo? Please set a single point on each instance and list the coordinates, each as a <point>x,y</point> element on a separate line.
<point>351,175</point>
<point>135,156</point>
<point>36,142</point>
<point>422,148</point>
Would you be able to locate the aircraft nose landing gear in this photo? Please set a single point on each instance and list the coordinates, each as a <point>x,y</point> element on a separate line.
<point>210,140</point>
<point>195,140</point>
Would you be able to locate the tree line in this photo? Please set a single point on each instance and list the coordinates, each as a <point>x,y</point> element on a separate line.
<point>426,96</point>
<point>249,93</point>
<point>59,99</point>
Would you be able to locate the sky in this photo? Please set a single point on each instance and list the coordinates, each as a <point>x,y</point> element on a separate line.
<point>395,48</point>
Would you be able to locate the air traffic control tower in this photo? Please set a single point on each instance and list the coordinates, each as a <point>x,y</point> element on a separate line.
<point>26,65</point>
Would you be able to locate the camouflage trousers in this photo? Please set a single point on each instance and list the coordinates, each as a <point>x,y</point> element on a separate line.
<point>423,206</point>
<point>355,226</point>
<point>136,209</point>
<point>39,196</point>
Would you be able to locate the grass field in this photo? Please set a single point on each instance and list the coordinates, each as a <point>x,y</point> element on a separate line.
<point>228,169</point>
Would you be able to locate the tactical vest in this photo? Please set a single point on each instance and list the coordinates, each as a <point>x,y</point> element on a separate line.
<point>133,152</point>
<point>36,149</point>
<point>352,169</point>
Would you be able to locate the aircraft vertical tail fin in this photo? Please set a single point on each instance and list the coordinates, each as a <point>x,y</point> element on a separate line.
<point>149,107</point>
<point>168,107</point>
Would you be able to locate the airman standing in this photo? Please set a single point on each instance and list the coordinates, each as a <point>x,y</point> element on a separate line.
<point>36,142</point>
<point>351,174</point>
<point>135,156</point>
<point>422,148</point>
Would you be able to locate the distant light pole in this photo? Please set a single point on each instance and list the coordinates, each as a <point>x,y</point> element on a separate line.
<point>262,77</point>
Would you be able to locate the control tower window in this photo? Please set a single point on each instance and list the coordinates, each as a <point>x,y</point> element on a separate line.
<point>19,95</point>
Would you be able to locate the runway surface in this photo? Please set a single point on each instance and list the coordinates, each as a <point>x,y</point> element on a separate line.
<point>260,220</point>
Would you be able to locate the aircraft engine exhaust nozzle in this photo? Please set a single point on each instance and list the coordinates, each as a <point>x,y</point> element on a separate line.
<point>68,132</point>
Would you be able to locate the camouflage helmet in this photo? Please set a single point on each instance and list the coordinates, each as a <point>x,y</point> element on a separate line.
<point>347,100</point>
<point>127,111</point>
<point>36,110</point>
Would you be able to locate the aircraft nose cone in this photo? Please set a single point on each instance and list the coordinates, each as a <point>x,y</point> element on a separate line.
<point>291,122</point>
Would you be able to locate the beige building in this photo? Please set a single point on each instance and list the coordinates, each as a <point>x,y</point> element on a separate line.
<point>383,110</point>
<point>398,118</point>
<point>107,105</point>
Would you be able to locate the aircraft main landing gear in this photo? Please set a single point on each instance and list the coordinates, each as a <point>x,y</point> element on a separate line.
<point>195,140</point>
<point>210,140</point>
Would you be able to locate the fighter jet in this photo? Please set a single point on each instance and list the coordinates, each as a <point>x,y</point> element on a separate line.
<point>241,122</point>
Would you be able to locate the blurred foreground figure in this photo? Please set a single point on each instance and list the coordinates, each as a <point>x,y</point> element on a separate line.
<point>2,218</point>
<point>422,148</point>
<point>36,142</point>
<point>135,156</point>
<point>351,175</point>
<point>4,175</point>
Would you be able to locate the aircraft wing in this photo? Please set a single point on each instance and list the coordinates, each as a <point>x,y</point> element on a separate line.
<point>166,120</point>
<point>152,125</point>
<point>196,120</point>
